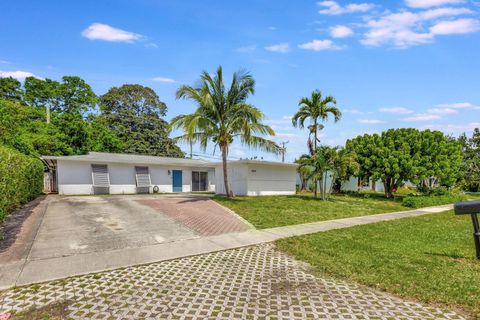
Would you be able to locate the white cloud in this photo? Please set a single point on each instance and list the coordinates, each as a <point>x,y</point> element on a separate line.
<point>405,28</point>
<point>452,128</point>
<point>151,45</point>
<point>100,31</point>
<point>396,110</point>
<point>340,31</point>
<point>353,111</point>
<point>19,75</point>
<point>320,45</point>
<point>334,8</point>
<point>272,28</point>
<point>458,105</point>
<point>281,47</point>
<point>164,80</point>
<point>430,3</point>
<point>246,49</point>
<point>422,117</point>
<point>442,111</point>
<point>370,121</point>
<point>4,61</point>
<point>459,26</point>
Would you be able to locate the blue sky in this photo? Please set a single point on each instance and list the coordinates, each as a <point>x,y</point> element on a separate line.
<point>389,64</point>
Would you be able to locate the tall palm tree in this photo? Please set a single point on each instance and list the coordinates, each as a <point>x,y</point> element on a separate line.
<point>317,109</point>
<point>223,115</point>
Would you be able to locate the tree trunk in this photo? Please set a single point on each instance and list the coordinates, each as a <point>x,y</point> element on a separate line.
<point>225,171</point>
<point>315,153</point>
<point>388,186</point>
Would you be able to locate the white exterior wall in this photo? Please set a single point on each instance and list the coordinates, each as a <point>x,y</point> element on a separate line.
<point>237,178</point>
<point>271,180</point>
<point>257,179</point>
<point>75,177</point>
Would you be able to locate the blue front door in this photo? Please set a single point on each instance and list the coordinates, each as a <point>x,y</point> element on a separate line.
<point>177,180</point>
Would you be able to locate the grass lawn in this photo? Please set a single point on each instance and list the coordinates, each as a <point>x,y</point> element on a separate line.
<point>275,211</point>
<point>428,258</point>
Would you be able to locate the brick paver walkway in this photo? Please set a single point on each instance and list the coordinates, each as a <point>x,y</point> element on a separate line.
<point>200,214</point>
<point>256,282</point>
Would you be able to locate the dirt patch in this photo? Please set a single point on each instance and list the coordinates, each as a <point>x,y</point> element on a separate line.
<point>19,228</point>
<point>13,224</point>
<point>55,311</point>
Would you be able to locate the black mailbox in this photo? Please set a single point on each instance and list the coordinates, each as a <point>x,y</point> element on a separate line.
<point>472,208</point>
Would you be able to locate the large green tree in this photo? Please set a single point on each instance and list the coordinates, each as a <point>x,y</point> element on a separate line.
<point>11,89</point>
<point>134,114</point>
<point>71,96</point>
<point>223,115</point>
<point>315,109</point>
<point>471,162</point>
<point>399,155</point>
<point>23,128</point>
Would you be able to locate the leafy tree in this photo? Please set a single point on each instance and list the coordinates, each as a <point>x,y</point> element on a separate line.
<point>471,163</point>
<point>24,128</point>
<point>101,138</point>
<point>72,95</point>
<point>76,96</point>
<point>304,170</point>
<point>343,165</point>
<point>75,129</point>
<point>222,115</point>
<point>133,113</point>
<point>11,89</point>
<point>399,155</point>
<point>42,94</point>
<point>317,109</point>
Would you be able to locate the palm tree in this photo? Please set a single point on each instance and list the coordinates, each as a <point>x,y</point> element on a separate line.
<point>304,170</point>
<point>317,109</point>
<point>223,115</point>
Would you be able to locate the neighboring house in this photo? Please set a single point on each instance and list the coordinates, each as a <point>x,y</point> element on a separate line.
<point>110,173</point>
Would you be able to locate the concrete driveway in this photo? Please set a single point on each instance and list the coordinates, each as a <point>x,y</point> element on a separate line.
<point>84,224</point>
<point>88,228</point>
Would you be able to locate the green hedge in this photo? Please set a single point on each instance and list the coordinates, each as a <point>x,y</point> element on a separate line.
<point>21,179</point>
<point>427,201</point>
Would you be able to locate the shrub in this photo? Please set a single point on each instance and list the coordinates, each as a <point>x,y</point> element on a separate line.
<point>21,179</point>
<point>426,201</point>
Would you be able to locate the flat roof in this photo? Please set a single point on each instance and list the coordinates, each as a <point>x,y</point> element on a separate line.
<point>106,157</point>
<point>131,158</point>
<point>262,162</point>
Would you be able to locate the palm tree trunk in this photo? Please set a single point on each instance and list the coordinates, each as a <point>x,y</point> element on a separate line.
<point>315,151</point>
<point>225,171</point>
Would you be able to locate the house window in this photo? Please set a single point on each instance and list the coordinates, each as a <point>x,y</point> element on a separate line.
<point>199,181</point>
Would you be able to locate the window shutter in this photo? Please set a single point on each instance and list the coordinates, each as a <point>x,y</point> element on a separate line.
<point>143,177</point>
<point>100,175</point>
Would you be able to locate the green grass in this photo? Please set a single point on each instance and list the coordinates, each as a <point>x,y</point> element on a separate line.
<point>428,258</point>
<point>275,211</point>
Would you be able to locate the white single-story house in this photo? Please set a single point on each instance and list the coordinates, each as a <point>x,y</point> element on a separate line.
<point>111,173</point>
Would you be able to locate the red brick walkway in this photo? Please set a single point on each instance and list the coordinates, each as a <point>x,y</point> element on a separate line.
<point>200,214</point>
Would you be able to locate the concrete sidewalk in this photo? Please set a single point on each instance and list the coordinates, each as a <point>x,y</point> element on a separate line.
<point>25,272</point>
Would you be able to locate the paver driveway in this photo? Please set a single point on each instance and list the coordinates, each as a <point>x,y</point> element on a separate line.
<point>257,282</point>
<point>84,224</point>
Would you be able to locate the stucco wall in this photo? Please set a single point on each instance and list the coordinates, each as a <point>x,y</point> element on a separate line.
<point>237,178</point>
<point>75,177</point>
<point>271,180</point>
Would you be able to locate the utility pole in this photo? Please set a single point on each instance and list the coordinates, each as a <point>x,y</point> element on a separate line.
<point>283,150</point>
